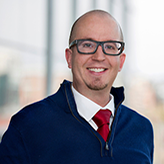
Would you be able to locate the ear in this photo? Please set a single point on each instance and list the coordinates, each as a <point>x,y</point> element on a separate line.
<point>122,60</point>
<point>68,56</point>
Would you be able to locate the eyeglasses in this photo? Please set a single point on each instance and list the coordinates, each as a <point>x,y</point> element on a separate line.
<point>86,46</point>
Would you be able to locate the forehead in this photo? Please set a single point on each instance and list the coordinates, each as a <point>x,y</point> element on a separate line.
<point>98,27</point>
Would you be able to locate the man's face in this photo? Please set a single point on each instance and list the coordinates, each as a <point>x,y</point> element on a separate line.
<point>95,71</point>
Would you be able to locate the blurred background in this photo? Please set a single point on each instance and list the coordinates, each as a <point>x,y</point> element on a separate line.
<point>33,38</point>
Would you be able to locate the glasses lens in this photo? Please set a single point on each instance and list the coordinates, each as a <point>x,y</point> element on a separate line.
<point>86,46</point>
<point>112,47</point>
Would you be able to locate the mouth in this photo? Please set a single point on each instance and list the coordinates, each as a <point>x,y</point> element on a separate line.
<point>97,70</point>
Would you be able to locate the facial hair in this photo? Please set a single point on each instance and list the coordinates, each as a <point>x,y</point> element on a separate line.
<point>96,85</point>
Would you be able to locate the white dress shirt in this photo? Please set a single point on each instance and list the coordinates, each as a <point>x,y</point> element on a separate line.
<point>87,108</point>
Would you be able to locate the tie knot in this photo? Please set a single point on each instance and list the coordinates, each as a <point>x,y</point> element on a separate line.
<point>102,117</point>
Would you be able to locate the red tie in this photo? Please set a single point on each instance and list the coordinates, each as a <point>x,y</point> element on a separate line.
<point>102,118</point>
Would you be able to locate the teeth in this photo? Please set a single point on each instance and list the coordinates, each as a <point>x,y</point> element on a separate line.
<point>96,69</point>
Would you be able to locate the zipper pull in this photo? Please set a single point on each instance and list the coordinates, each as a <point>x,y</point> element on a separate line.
<point>106,146</point>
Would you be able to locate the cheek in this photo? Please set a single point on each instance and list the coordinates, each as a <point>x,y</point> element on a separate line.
<point>79,65</point>
<point>114,62</point>
<point>79,60</point>
<point>76,64</point>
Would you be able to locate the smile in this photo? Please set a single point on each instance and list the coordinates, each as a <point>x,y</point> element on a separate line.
<point>97,70</point>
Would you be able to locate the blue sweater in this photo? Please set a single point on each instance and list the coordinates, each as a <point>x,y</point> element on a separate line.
<point>52,132</point>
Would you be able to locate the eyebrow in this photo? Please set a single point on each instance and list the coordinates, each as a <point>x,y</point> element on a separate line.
<point>88,39</point>
<point>101,41</point>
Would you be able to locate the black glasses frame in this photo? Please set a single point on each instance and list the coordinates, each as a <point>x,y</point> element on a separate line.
<point>75,42</point>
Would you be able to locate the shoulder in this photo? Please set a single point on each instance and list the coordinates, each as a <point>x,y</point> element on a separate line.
<point>31,112</point>
<point>136,125</point>
<point>38,113</point>
<point>133,117</point>
<point>43,111</point>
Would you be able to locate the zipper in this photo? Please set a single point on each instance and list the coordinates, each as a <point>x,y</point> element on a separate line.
<point>79,120</point>
<point>106,146</point>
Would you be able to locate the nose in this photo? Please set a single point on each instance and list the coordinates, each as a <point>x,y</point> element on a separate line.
<point>99,54</point>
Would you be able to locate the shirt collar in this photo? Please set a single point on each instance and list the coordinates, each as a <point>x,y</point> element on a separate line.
<point>87,108</point>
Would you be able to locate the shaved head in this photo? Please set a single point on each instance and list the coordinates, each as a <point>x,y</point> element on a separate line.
<point>94,73</point>
<point>98,13</point>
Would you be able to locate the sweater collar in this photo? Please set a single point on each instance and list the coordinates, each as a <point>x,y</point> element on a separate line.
<point>118,94</point>
<point>87,108</point>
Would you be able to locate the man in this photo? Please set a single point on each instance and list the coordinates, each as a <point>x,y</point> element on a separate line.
<point>64,128</point>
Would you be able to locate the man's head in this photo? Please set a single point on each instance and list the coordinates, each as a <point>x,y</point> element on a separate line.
<point>97,71</point>
<point>94,12</point>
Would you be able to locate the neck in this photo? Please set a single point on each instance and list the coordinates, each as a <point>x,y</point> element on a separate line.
<point>100,97</point>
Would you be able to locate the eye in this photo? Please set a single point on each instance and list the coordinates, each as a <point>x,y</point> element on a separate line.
<point>87,44</point>
<point>110,47</point>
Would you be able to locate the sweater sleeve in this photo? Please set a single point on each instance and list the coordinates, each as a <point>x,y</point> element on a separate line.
<point>151,143</point>
<point>12,148</point>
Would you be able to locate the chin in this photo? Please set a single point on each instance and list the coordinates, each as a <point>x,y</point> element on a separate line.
<point>97,87</point>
